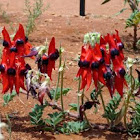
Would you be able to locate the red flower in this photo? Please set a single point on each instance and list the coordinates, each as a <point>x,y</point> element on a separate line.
<point>119,75</point>
<point>84,64</point>
<point>97,65</point>
<point>13,64</point>
<point>47,63</point>
<point>53,55</point>
<point>119,45</point>
<point>109,78</point>
<point>105,55</point>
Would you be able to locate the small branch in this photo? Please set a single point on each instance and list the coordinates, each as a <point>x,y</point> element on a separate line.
<point>132,5</point>
<point>56,106</point>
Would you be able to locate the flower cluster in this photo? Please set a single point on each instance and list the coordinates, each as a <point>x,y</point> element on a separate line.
<point>104,63</point>
<point>13,66</point>
<point>44,60</point>
<point>47,62</point>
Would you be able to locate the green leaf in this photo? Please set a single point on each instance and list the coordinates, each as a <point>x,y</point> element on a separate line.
<point>73,127</point>
<point>54,119</point>
<point>110,109</point>
<point>64,92</point>
<point>8,97</point>
<point>105,1</point>
<point>36,115</point>
<point>134,19</point>
<point>73,106</point>
<point>121,11</point>
<point>134,125</point>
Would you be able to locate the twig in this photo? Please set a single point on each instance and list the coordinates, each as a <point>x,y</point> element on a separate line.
<point>56,106</point>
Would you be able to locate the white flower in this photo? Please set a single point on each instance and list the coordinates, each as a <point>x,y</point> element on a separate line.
<point>129,62</point>
<point>92,38</point>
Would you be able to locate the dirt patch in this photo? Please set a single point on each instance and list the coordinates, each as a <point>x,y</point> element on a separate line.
<point>62,20</point>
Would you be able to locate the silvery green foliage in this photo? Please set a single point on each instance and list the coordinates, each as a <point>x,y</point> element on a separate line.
<point>92,38</point>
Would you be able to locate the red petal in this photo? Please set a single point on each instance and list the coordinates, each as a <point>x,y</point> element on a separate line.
<point>97,52</point>
<point>89,78</point>
<point>20,33</point>
<point>51,46</point>
<point>101,73</point>
<point>6,36</point>
<point>12,59</point>
<point>50,66</point>
<point>40,97</point>
<point>95,78</point>
<point>119,85</point>
<point>79,72</point>
<point>5,82</point>
<point>11,83</point>
<point>102,41</point>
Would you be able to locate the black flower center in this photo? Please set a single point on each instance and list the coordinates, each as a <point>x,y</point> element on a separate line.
<point>2,68</point>
<point>107,75</point>
<point>121,46</point>
<point>20,42</point>
<point>102,51</point>
<point>83,64</point>
<point>5,44</point>
<point>122,72</point>
<point>101,61</point>
<point>45,61</point>
<point>114,52</point>
<point>94,65</point>
<point>13,49</point>
<point>54,56</point>
<point>11,72</point>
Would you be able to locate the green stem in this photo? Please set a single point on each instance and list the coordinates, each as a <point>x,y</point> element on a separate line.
<point>128,98</point>
<point>62,91</point>
<point>58,78</point>
<point>87,120</point>
<point>82,97</point>
<point>103,103</point>
<point>78,98</point>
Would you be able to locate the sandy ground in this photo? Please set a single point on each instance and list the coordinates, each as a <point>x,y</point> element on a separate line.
<point>62,20</point>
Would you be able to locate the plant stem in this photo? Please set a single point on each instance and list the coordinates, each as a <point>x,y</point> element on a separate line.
<point>82,97</point>
<point>58,78</point>
<point>62,72</point>
<point>78,98</point>
<point>103,103</point>
<point>87,120</point>
<point>128,98</point>
<point>135,38</point>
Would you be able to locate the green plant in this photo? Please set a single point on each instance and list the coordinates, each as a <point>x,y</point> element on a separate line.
<point>8,97</point>
<point>33,12</point>
<point>54,120</point>
<point>36,115</point>
<point>111,111</point>
<point>134,126</point>
<point>73,127</point>
<point>134,18</point>
<point>58,94</point>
